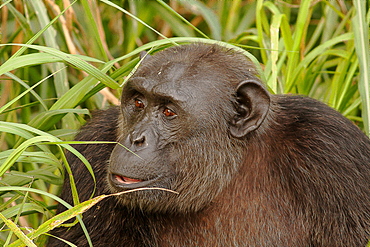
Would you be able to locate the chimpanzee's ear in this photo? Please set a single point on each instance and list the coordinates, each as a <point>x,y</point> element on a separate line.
<point>144,55</point>
<point>253,103</point>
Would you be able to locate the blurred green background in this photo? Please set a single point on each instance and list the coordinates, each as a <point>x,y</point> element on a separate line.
<point>62,59</point>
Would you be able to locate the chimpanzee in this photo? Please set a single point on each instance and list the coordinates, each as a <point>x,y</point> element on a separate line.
<point>250,168</point>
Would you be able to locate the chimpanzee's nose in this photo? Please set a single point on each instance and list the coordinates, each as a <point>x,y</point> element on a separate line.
<point>139,141</point>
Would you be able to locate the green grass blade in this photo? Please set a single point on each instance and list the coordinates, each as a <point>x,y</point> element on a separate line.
<point>232,19</point>
<point>56,198</point>
<point>71,59</point>
<point>21,19</point>
<point>92,30</point>
<point>180,16</point>
<point>14,210</point>
<point>38,34</point>
<point>31,157</point>
<point>14,156</point>
<point>73,212</point>
<point>18,188</point>
<point>320,49</point>
<point>13,227</point>
<point>36,59</point>
<point>3,108</point>
<point>134,17</point>
<point>178,27</point>
<point>38,97</point>
<point>361,30</point>
<point>260,20</point>
<point>64,216</point>
<point>44,120</point>
<point>49,34</point>
<point>304,15</point>
<point>44,137</point>
<point>275,25</point>
<point>5,3</point>
<point>63,240</point>
<point>209,16</point>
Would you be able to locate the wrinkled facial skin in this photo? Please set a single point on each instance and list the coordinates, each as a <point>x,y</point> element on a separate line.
<point>170,123</point>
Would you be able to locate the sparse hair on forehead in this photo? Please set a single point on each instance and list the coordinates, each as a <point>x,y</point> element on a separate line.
<point>209,56</point>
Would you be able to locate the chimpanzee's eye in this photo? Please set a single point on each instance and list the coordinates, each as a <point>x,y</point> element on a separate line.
<point>169,113</point>
<point>139,104</point>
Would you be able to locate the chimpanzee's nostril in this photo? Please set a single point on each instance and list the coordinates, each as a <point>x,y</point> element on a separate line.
<point>140,141</point>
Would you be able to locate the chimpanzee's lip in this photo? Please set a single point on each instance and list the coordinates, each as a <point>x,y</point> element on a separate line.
<point>130,183</point>
<point>126,180</point>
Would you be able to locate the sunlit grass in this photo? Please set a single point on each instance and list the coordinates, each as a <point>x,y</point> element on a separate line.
<point>53,80</point>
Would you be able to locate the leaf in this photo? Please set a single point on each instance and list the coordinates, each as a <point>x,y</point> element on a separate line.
<point>13,227</point>
<point>134,17</point>
<point>56,198</point>
<point>44,120</point>
<point>72,59</point>
<point>180,17</point>
<point>209,16</point>
<point>361,31</point>
<point>15,178</point>
<point>14,210</point>
<point>59,219</point>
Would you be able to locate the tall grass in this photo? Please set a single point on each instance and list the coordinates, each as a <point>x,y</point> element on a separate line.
<point>62,59</point>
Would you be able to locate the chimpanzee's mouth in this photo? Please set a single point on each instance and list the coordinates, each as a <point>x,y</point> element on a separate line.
<point>130,183</point>
<point>126,180</point>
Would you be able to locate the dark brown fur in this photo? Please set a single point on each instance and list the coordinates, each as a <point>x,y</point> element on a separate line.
<point>300,179</point>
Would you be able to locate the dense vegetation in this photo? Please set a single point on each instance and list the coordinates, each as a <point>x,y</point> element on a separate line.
<point>62,59</point>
